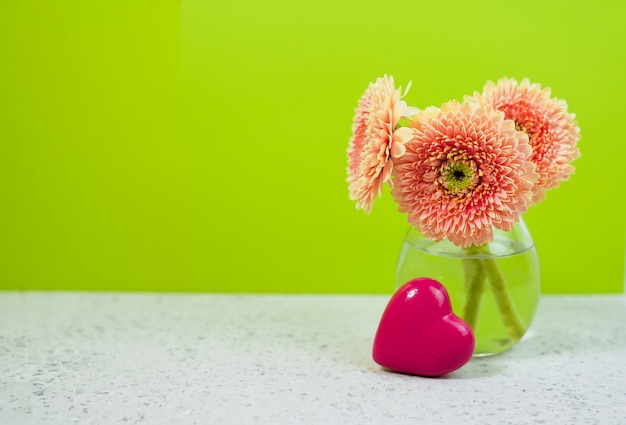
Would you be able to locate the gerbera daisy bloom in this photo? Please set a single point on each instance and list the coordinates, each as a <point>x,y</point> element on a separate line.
<point>465,171</point>
<point>552,131</point>
<point>375,140</point>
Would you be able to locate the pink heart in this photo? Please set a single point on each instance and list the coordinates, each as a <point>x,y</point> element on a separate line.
<point>418,334</point>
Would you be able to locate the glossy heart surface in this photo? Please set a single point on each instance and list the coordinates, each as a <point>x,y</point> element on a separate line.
<point>419,334</point>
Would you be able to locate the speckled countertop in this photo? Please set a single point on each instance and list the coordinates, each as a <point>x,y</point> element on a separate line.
<point>113,358</point>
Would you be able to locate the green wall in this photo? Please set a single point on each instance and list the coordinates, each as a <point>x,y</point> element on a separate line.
<point>201,145</point>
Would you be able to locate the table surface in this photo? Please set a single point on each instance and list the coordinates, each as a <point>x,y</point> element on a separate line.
<point>109,358</point>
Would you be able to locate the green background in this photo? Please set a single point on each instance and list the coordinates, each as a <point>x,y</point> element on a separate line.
<point>201,145</point>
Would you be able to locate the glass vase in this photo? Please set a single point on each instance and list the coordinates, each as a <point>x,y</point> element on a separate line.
<point>494,287</point>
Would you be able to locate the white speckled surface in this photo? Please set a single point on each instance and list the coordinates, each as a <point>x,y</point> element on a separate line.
<point>109,358</point>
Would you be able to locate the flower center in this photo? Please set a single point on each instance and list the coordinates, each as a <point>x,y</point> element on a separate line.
<point>459,177</point>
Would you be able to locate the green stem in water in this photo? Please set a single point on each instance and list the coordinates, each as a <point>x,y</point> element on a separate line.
<point>474,273</point>
<point>476,270</point>
<point>514,326</point>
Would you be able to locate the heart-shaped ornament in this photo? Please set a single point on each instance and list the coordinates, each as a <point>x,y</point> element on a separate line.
<point>419,334</point>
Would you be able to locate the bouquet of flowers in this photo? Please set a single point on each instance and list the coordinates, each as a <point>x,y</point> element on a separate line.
<point>466,168</point>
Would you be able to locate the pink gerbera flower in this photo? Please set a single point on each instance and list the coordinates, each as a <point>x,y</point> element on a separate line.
<point>465,170</point>
<point>375,140</point>
<point>552,131</point>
